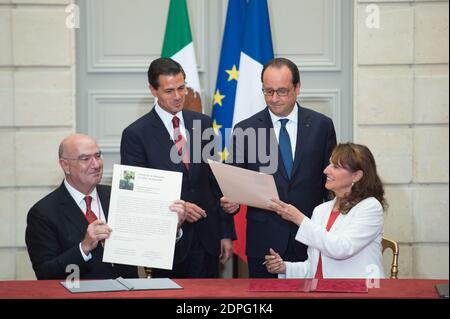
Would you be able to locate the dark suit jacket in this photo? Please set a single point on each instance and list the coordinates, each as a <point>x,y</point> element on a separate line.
<point>305,190</point>
<point>147,143</point>
<point>55,228</point>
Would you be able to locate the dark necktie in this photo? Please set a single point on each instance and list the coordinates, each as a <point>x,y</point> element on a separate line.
<point>285,147</point>
<point>180,142</point>
<point>90,216</point>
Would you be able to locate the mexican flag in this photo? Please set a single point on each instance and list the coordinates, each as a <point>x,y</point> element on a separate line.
<point>178,42</point>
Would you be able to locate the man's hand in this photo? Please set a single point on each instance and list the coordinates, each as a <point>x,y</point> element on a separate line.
<point>227,206</point>
<point>226,250</point>
<point>194,213</point>
<point>179,207</point>
<point>96,231</point>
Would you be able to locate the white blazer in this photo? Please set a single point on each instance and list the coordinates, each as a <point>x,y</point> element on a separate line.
<point>352,247</point>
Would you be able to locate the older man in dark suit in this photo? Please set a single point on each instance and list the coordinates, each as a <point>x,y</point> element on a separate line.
<point>298,143</point>
<point>65,229</point>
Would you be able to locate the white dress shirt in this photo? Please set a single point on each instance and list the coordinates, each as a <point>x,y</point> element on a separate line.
<point>291,126</point>
<point>167,117</point>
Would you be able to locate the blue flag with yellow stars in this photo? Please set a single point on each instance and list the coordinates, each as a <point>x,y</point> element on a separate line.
<point>228,73</point>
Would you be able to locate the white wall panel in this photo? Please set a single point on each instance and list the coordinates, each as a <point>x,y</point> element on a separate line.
<point>308,32</point>
<point>110,112</point>
<point>324,101</point>
<point>125,36</point>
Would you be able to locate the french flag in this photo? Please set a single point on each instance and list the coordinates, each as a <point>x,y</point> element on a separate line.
<point>256,51</point>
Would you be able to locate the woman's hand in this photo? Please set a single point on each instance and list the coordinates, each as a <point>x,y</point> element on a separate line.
<point>287,211</point>
<point>274,263</point>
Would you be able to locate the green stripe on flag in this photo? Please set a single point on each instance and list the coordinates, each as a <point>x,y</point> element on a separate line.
<point>178,31</point>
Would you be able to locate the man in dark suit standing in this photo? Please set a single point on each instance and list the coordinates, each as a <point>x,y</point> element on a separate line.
<point>66,228</point>
<point>170,138</point>
<point>298,142</point>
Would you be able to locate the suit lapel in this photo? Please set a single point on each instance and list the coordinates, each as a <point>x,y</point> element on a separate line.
<point>303,129</point>
<point>159,132</point>
<point>71,211</point>
<point>340,221</point>
<point>326,212</point>
<point>188,124</point>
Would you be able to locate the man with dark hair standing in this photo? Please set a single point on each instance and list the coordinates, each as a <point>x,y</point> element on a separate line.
<point>302,141</point>
<point>67,227</point>
<point>162,139</point>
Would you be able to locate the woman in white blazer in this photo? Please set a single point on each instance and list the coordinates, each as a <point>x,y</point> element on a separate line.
<point>344,234</point>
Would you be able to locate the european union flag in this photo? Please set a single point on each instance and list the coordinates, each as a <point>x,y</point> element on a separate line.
<point>228,73</point>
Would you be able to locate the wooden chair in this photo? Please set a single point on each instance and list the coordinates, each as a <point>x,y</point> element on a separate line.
<point>387,243</point>
<point>148,272</point>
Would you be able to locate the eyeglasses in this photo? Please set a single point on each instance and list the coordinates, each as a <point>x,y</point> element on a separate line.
<point>86,159</point>
<point>280,92</point>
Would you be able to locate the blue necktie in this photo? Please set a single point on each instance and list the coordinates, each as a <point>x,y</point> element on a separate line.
<point>285,147</point>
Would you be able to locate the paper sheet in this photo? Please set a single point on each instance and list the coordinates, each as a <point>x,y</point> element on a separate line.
<point>144,229</point>
<point>245,186</point>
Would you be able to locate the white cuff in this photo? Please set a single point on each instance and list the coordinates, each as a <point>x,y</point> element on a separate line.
<point>86,258</point>
<point>179,234</point>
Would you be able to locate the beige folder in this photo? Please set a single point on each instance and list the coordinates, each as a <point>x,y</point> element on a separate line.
<point>244,186</point>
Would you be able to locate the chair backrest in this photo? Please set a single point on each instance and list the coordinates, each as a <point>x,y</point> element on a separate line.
<point>391,244</point>
<point>148,272</point>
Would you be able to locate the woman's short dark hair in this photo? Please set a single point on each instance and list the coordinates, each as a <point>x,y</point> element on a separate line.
<point>163,66</point>
<point>280,62</point>
<point>354,157</point>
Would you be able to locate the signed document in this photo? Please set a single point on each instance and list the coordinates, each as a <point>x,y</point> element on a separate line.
<point>244,186</point>
<point>143,227</point>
